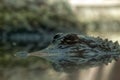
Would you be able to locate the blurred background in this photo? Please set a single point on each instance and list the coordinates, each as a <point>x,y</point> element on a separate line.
<point>29,25</point>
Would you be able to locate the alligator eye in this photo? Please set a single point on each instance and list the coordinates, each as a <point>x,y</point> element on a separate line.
<point>70,39</point>
<point>57,35</point>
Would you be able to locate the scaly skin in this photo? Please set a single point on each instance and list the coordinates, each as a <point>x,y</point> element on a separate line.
<point>70,52</point>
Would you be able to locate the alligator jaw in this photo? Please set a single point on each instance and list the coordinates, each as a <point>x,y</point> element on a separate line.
<point>44,53</point>
<point>40,54</point>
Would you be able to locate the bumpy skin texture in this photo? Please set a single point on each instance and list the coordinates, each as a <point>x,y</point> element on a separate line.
<point>72,51</point>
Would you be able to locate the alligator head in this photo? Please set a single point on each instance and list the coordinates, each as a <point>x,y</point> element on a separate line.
<point>72,51</point>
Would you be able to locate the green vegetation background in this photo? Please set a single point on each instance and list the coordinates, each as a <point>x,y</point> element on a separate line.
<point>32,14</point>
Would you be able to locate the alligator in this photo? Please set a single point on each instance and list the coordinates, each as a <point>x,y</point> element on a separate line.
<point>69,52</point>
